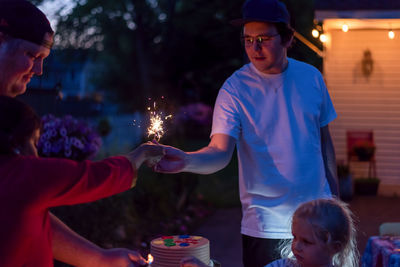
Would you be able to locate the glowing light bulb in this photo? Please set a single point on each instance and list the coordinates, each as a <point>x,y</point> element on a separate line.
<point>345,28</point>
<point>323,38</point>
<point>391,34</point>
<point>315,33</point>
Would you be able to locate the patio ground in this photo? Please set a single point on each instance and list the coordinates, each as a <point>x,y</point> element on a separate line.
<point>223,227</point>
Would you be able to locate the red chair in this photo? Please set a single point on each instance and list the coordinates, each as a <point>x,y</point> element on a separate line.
<point>354,139</point>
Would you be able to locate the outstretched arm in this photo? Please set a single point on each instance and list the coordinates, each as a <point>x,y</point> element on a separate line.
<point>71,248</point>
<point>328,154</point>
<point>209,159</point>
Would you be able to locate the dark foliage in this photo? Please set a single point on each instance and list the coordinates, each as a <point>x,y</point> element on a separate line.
<point>183,50</point>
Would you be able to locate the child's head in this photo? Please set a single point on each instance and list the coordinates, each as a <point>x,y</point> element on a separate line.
<point>324,233</point>
<point>19,127</point>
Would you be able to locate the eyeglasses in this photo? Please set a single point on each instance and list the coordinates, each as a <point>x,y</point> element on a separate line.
<point>261,40</point>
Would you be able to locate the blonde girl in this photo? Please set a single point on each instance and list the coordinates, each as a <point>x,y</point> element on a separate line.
<point>323,236</point>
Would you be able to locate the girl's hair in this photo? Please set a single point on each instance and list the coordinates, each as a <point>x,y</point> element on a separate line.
<point>18,122</point>
<point>332,222</point>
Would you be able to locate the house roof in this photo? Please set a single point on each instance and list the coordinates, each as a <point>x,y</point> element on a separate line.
<point>358,9</point>
<point>357,4</point>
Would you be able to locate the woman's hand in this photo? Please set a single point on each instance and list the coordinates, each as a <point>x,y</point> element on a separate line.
<point>149,152</point>
<point>172,162</point>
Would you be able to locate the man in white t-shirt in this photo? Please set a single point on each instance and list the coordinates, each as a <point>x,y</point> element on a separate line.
<point>276,111</point>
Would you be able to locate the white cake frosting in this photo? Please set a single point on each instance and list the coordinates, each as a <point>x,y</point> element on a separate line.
<point>169,250</point>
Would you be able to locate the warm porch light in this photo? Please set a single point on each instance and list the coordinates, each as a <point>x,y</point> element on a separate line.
<point>345,28</point>
<point>310,45</point>
<point>391,34</point>
<point>315,33</point>
<point>323,38</point>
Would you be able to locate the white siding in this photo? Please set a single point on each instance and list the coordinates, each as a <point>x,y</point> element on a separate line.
<point>366,103</point>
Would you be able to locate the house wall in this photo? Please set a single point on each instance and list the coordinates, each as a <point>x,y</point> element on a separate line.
<point>366,103</point>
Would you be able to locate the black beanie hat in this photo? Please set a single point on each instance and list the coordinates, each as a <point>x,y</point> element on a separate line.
<point>21,19</point>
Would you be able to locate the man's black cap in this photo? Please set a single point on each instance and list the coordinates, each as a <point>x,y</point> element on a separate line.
<point>263,11</point>
<point>21,19</point>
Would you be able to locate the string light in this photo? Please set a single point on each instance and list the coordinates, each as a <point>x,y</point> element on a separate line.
<point>391,34</point>
<point>315,33</point>
<point>323,38</point>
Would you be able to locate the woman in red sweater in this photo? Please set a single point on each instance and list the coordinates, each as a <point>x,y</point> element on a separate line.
<point>30,185</point>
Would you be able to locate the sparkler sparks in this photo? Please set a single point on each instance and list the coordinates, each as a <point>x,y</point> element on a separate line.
<point>157,118</point>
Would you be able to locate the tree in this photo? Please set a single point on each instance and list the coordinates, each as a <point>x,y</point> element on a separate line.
<point>180,49</point>
<point>153,48</point>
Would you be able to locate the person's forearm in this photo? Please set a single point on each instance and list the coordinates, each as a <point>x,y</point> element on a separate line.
<point>329,157</point>
<point>206,160</point>
<point>71,248</point>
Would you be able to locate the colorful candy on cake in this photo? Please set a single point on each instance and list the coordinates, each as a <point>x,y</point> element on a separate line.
<point>169,250</point>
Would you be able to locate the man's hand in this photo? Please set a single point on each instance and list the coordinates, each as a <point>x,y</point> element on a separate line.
<point>172,162</point>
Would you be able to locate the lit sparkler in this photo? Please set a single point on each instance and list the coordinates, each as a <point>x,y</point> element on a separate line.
<point>149,259</point>
<point>156,128</point>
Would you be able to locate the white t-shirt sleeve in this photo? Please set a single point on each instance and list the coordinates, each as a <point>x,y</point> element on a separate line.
<point>226,115</point>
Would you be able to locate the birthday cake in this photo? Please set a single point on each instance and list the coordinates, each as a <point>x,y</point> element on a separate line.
<point>169,250</point>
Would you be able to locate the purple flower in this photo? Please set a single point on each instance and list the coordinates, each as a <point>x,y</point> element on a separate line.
<point>63,131</point>
<point>68,137</point>
<point>68,153</point>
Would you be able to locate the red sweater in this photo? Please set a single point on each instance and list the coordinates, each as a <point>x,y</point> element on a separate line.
<point>29,186</point>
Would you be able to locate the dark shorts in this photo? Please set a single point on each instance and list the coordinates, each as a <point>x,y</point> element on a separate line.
<point>258,252</point>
